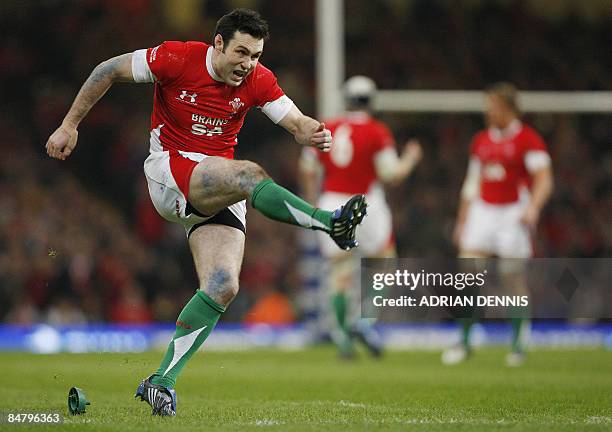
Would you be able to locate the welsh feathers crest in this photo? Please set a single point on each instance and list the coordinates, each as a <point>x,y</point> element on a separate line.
<point>236,104</point>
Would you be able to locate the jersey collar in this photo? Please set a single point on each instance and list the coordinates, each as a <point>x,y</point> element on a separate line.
<point>357,116</point>
<point>209,65</point>
<point>509,132</point>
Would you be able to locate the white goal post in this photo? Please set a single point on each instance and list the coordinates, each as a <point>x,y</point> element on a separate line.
<point>330,75</point>
<point>472,101</point>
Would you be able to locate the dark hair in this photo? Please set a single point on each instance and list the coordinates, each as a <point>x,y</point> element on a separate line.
<point>508,93</point>
<point>243,20</point>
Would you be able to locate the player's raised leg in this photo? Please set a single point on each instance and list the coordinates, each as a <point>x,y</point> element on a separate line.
<point>217,183</point>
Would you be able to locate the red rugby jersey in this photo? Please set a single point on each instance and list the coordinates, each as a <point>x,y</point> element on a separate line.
<point>349,166</point>
<point>502,160</point>
<point>194,112</point>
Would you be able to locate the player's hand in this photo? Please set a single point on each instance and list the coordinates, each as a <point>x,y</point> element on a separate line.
<point>530,217</point>
<point>61,143</point>
<point>414,150</point>
<point>321,138</point>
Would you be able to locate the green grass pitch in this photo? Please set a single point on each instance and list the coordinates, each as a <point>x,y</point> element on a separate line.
<point>312,390</point>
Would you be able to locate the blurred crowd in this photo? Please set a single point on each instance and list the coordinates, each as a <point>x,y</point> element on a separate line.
<point>80,240</point>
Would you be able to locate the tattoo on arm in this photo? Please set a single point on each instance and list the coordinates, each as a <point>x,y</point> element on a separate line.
<point>102,77</point>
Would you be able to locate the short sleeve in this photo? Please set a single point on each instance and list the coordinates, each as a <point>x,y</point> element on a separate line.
<point>265,86</point>
<point>536,154</point>
<point>384,138</point>
<point>475,144</point>
<point>268,95</point>
<point>534,142</point>
<point>166,61</point>
<point>277,109</point>
<point>140,68</point>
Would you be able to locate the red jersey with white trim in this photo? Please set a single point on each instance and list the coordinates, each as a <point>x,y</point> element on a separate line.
<point>502,162</point>
<point>193,111</point>
<point>349,165</point>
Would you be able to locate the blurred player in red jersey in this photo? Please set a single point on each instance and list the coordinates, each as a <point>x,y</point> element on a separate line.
<point>363,157</point>
<point>508,182</point>
<point>202,95</point>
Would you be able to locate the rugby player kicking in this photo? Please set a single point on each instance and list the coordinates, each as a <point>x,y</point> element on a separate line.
<point>202,95</point>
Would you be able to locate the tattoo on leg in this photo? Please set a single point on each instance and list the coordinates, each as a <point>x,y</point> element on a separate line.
<point>219,287</point>
<point>248,178</point>
<point>207,180</point>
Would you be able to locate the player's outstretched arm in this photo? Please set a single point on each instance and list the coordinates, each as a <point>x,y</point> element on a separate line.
<point>392,169</point>
<point>306,130</point>
<point>541,190</point>
<point>469,191</point>
<point>63,141</point>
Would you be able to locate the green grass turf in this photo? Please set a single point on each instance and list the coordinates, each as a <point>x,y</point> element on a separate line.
<point>312,390</point>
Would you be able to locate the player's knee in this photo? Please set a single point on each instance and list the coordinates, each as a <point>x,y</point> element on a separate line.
<point>250,175</point>
<point>222,286</point>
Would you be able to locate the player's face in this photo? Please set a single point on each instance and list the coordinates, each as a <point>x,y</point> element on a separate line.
<point>497,112</point>
<point>238,57</point>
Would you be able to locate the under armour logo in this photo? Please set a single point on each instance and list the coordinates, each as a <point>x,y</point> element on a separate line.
<point>236,104</point>
<point>191,96</point>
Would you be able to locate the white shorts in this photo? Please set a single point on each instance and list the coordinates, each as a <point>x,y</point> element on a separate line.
<point>168,174</point>
<point>374,233</point>
<point>496,230</point>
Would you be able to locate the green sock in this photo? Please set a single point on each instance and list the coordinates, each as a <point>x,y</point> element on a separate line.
<point>519,320</point>
<point>466,326</point>
<point>195,322</point>
<point>278,203</point>
<point>343,338</point>
<point>520,330</point>
<point>339,303</point>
